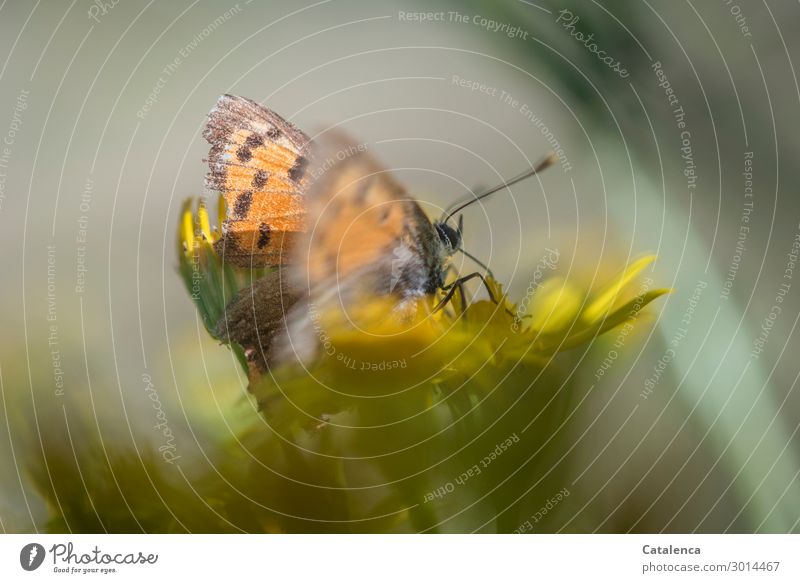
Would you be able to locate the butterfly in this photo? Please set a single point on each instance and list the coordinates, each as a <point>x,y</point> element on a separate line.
<point>334,220</point>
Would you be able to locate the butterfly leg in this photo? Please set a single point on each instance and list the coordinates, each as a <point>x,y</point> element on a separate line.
<point>463,295</point>
<point>458,285</point>
<point>461,291</point>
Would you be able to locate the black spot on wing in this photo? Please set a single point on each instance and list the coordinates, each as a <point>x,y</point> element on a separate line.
<point>242,205</point>
<point>298,169</point>
<point>273,133</point>
<point>264,233</point>
<point>254,141</point>
<point>260,179</point>
<point>244,154</point>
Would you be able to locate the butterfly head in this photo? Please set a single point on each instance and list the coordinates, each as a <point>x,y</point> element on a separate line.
<point>449,237</point>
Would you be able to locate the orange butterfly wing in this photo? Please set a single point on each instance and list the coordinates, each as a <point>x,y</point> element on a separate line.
<point>366,237</point>
<point>258,161</point>
<point>359,216</point>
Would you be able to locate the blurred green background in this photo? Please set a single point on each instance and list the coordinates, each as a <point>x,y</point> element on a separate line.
<point>689,425</point>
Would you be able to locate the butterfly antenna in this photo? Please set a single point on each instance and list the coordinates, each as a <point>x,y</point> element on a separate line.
<point>545,162</point>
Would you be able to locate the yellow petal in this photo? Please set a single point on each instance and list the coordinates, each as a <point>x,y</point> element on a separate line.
<point>202,217</point>
<point>606,297</point>
<point>221,211</point>
<point>555,305</point>
<point>187,227</point>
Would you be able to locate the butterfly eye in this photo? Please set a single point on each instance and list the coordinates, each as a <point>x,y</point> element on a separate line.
<point>448,235</point>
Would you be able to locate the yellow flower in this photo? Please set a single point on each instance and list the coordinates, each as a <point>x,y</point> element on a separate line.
<point>211,283</point>
<point>424,344</point>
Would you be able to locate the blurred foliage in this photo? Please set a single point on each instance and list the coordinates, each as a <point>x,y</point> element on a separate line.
<point>720,439</point>
<point>582,79</point>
